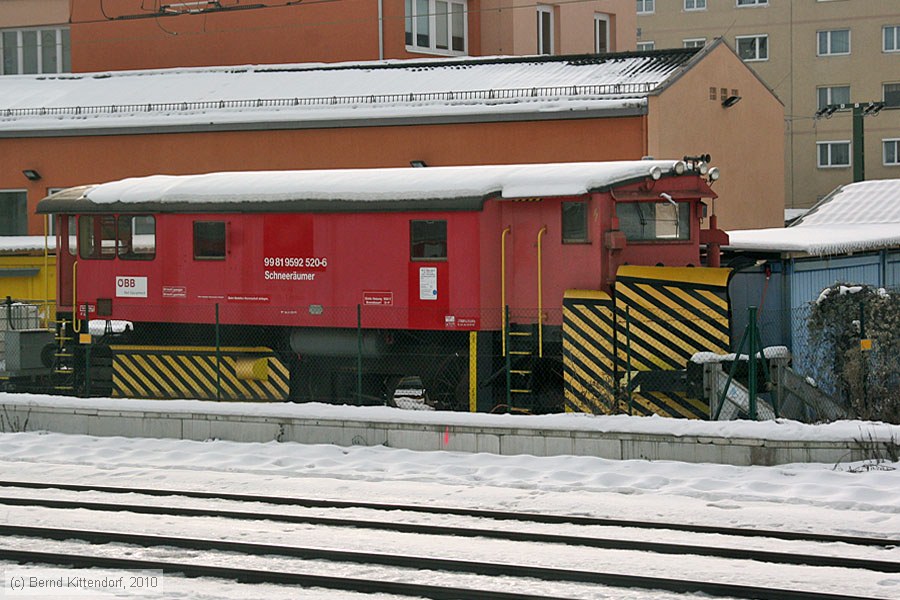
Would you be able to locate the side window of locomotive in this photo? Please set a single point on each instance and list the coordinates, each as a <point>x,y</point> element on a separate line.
<point>428,240</point>
<point>97,237</point>
<point>209,240</point>
<point>575,223</point>
<point>654,221</point>
<point>72,234</point>
<point>137,237</point>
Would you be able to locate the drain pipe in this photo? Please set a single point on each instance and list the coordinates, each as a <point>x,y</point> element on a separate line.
<point>380,29</point>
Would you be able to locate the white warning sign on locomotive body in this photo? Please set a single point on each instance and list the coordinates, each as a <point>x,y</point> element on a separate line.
<point>428,283</point>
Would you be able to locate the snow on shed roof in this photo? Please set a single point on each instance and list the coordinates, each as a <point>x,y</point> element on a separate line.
<point>855,217</point>
<point>218,96</point>
<point>429,188</point>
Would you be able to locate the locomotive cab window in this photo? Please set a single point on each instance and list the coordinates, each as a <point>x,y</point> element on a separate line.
<point>654,221</point>
<point>209,240</point>
<point>97,237</point>
<point>575,223</point>
<point>137,237</point>
<point>428,240</point>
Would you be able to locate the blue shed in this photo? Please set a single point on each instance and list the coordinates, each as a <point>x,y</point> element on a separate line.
<point>851,236</point>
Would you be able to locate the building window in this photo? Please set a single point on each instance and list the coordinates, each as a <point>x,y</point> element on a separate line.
<point>835,94</point>
<point>33,51</point>
<point>694,43</point>
<point>892,38</point>
<point>209,240</point>
<point>834,42</point>
<point>428,240</point>
<point>651,221</point>
<point>833,154</point>
<point>891,94</point>
<point>694,4</point>
<point>13,212</point>
<point>752,2</point>
<point>753,47</point>
<point>601,33</point>
<point>646,6</point>
<point>645,46</point>
<point>575,223</point>
<point>97,237</point>
<point>137,237</point>
<point>891,152</point>
<point>437,26</point>
<point>544,29</point>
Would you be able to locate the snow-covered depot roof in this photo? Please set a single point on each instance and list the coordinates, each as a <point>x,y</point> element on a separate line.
<point>428,188</point>
<point>293,94</point>
<point>855,217</point>
<point>14,244</point>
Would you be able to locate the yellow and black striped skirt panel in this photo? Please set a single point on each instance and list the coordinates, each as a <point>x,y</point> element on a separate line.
<point>199,372</point>
<point>588,352</point>
<point>667,314</point>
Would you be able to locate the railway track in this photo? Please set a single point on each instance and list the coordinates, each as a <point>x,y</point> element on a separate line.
<point>405,562</point>
<point>82,560</point>
<point>467,512</point>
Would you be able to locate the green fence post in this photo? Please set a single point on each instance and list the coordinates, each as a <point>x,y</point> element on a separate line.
<point>628,359</point>
<point>87,367</point>
<point>508,360</point>
<point>751,375</point>
<point>218,358</point>
<point>358,354</point>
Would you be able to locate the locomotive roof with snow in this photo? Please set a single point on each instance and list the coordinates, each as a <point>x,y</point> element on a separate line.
<point>218,96</point>
<point>428,188</point>
<point>854,217</point>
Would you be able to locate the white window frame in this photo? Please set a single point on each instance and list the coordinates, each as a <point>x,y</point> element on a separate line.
<point>646,46</point>
<point>829,94</point>
<point>693,43</point>
<point>63,60</point>
<point>545,47</point>
<point>745,3</point>
<point>414,19</point>
<point>884,145</point>
<point>692,5</point>
<point>831,144</point>
<point>892,31</point>
<point>756,37</point>
<point>884,91</point>
<point>646,7</point>
<point>601,18</point>
<point>828,33</point>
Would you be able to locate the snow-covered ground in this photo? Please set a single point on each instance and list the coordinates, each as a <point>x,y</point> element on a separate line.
<point>850,499</point>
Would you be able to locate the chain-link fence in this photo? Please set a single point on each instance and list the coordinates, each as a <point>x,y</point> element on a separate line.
<point>587,356</point>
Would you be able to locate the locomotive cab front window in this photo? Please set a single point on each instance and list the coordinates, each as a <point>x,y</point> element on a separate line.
<point>97,237</point>
<point>654,221</point>
<point>428,240</point>
<point>209,240</point>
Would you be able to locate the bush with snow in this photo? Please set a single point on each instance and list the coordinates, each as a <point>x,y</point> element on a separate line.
<point>866,380</point>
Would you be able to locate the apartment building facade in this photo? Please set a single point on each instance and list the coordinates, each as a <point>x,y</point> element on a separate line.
<point>813,54</point>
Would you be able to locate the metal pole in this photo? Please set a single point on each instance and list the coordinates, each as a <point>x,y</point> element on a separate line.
<point>218,358</point>
<point>863,355</point>
<point>859,143</point>
<point>508,360</point>
<point>628,360</point>
<point>751,375</point>
<point>358,354</point>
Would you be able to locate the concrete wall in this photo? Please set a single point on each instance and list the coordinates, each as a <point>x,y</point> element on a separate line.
<point>424,436</point>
